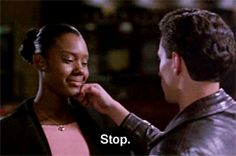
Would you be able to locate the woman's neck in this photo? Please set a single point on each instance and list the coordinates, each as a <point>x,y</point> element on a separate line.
<point>52,108</point>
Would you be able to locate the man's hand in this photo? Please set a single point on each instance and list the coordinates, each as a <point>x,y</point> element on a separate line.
<point>93,94</point>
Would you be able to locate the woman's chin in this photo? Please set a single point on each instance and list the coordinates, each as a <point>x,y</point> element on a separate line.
<point>74,91</point>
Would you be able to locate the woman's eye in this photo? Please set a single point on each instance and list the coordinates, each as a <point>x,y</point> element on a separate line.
<point>84,63</point>
<point>67,60</point>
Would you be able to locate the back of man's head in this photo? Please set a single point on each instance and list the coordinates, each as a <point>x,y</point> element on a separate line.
<point>202,39</point>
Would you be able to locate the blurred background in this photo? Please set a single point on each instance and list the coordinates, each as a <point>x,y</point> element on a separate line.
<point>122,38</point>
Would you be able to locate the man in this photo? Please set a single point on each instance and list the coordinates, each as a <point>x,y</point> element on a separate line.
<point>196,49</point>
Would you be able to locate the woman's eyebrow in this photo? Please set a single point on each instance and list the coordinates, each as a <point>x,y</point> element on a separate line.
<point>67,52</point>
<point>74,54</point>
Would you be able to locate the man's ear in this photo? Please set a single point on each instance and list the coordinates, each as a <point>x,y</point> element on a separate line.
<point>39,62</point>
<point>176,62</point>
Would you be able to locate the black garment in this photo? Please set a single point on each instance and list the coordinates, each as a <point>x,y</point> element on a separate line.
<point>206,127</point>
<point>22,134</point>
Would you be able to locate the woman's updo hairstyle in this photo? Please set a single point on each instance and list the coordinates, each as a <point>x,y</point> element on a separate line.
<point>27,48</point>
<point>40,41</point>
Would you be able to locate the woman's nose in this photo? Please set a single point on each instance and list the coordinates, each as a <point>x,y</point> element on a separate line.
<point>78,67</point>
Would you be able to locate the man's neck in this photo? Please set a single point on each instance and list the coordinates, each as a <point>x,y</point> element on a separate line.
<point>196,91</point>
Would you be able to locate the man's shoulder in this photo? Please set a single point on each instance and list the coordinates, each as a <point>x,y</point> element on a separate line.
<point>210,135</point>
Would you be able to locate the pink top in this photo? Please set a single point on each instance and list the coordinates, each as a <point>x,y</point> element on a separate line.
<point>66,141</point>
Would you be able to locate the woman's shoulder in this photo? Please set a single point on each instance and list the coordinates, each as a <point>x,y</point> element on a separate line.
<point>19,113</point>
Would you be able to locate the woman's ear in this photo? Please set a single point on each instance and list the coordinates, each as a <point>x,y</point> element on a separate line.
<point>39,62</point>
<point>176,62</point>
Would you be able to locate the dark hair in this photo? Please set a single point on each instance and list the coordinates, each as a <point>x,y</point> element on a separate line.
<point>41,40</point>
<point>202,39</point>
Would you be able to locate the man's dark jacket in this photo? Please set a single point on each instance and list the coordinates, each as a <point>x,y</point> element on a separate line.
<point>206,127</point>
<point>22,134</point>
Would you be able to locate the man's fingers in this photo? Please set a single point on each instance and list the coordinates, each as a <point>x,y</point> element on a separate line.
<point>89,89</point>
<point>83,99</point>
<point>88,94</point>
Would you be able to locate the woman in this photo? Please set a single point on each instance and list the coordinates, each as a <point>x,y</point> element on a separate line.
<point>51,123</point>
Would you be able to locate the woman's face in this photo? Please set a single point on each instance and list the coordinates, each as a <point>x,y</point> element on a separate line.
<point>66,65</point>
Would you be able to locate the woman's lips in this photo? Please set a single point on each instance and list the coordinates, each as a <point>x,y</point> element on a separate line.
<point>75,83</point>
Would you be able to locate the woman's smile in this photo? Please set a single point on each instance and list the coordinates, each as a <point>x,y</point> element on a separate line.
<point>75,82</point>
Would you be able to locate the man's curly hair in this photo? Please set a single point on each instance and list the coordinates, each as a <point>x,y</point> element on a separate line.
<point>202,39</point>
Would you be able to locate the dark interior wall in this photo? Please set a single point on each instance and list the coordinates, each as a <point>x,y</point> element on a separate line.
<point>131,85</point>
<point>17,17</point>
<point>105,39</point>
<point>128,36</point>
